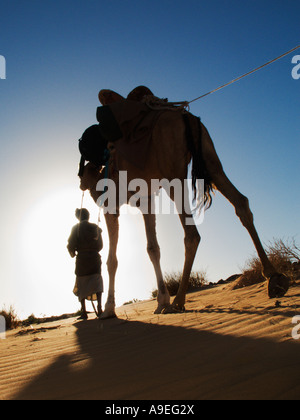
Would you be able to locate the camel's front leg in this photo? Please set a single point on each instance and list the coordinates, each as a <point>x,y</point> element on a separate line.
<point>112,222</point>
<point>163,297</point>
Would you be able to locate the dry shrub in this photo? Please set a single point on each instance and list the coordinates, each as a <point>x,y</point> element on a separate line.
<point>11,319</point>
<point>173,279</point>
<point>283,255</point>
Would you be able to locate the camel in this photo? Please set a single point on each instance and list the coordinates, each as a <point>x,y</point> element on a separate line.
<point>168,158</point>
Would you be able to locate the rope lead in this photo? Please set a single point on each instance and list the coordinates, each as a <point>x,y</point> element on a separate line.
<point>244,75</point>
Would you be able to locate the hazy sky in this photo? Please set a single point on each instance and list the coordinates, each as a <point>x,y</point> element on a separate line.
<point>59,54</point>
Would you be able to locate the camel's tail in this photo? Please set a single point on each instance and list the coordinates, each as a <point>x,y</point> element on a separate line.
<point>199,171</point>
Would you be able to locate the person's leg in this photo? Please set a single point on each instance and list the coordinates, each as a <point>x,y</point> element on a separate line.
<point>83,310</point>
<point>99,298</point>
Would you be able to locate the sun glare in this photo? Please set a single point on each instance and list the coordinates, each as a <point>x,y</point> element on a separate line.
<point>45,271</point>
<point>44,263</point>
<point>47,223</point>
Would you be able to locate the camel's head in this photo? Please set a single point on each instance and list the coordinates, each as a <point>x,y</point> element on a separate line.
<point>89,177</point>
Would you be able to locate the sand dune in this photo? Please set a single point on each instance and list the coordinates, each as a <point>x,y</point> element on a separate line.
<point>229,344</point>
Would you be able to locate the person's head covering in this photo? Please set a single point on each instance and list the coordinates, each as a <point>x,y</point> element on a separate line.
<point>82,214</point>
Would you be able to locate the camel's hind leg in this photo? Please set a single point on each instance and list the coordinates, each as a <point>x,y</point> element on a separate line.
<point>278,283</point>
<point>191,243</point>
<point>163,297</point>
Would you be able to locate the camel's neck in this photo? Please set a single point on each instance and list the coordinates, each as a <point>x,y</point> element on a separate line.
<point>113,201</point>
<point>93,190</point>
<point>95,194</point>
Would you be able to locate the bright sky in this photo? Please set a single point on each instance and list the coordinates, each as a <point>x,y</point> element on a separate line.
<point>59,54</point>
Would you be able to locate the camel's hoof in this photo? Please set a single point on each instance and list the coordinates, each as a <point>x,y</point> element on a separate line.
<point>174,309</point>
<point>107,315</point>
<point>278,285</point>
<point>160,308</point>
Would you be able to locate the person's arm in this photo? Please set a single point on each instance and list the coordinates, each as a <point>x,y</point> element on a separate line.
<point>99,239</point>
<point>72,242</point>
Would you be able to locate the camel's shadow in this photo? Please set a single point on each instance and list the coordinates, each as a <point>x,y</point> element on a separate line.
<point>122,360</point>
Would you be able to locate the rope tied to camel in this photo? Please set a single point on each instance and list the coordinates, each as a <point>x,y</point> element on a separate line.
<point>162,104</point>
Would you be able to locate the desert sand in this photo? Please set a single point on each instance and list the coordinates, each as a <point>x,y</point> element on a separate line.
<point>229,344</point>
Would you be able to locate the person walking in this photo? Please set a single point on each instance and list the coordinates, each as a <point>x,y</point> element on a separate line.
<point>85,243</point>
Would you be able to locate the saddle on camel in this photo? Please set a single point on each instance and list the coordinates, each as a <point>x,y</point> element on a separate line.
<point>128,124</point>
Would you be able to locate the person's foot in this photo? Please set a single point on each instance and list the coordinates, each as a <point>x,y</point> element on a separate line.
<point>99,311</point>
<point>83,316</point>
